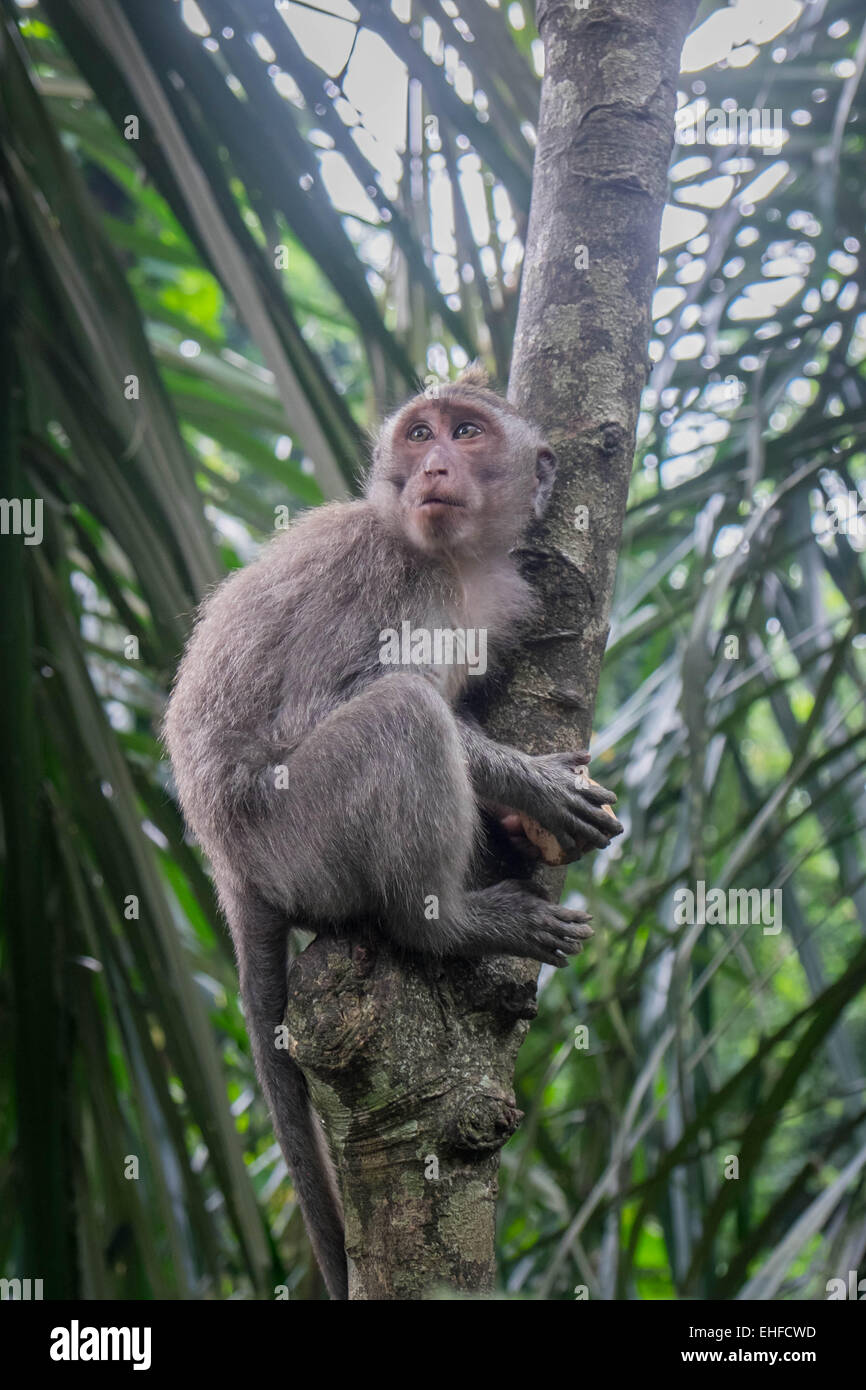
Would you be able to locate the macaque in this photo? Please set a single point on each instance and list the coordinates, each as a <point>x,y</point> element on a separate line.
<point>327,769</point>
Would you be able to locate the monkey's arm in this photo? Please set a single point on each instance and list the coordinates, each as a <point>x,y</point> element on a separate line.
<point>545,788</point>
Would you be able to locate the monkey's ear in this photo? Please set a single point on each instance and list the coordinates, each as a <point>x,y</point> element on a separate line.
<point>545,472</point>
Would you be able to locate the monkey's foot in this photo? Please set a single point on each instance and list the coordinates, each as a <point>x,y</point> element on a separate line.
<point>541,930</point>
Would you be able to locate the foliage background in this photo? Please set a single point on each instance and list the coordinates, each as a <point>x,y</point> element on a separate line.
<point>275,262</point>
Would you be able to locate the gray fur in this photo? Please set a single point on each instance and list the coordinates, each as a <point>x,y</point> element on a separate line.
<point>381,811</point>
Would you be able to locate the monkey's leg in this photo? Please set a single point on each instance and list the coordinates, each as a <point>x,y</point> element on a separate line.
<point>376,811</point>
<point>378,819</point>
<point>542,787</point>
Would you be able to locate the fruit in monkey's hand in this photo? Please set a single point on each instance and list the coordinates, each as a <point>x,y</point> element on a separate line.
<point>549,848</point>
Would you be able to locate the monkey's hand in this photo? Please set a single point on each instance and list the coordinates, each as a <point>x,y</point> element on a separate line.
<point>567,813</point>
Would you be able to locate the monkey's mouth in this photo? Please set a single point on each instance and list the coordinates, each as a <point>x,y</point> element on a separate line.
<point>439,502</point>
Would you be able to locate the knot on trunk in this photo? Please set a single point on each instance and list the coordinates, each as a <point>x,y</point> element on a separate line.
<point>482,1123</point>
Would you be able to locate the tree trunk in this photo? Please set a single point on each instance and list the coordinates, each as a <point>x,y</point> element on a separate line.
<point>580,352</point>
<point>410,1065</point>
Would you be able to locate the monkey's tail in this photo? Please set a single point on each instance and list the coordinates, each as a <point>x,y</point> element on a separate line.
<point>260,933</point>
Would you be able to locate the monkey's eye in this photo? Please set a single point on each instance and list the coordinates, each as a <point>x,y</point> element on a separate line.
<point>467,430</point>
<point>420,432</point>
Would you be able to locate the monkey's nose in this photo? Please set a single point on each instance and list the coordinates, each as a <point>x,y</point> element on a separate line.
<point>435,462</point>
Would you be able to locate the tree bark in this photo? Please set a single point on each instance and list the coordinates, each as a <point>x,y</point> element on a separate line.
<point>410,1065</point>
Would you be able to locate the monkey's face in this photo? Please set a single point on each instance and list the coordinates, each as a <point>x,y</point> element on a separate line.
<point>459,473</point>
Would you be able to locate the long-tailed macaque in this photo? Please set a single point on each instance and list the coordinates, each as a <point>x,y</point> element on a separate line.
<point>320,753</point>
